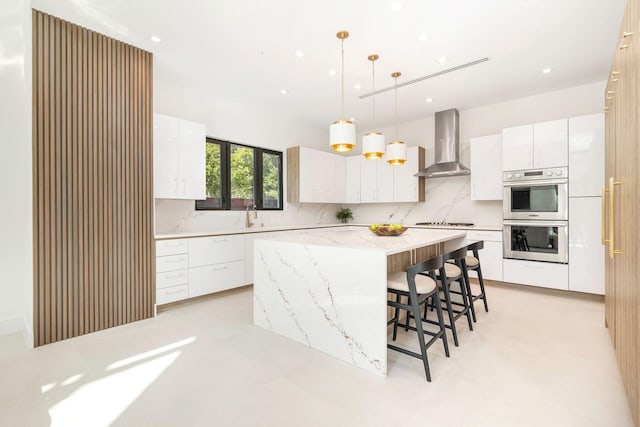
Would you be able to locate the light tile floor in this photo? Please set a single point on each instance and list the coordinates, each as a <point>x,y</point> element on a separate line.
<point>538,358</point>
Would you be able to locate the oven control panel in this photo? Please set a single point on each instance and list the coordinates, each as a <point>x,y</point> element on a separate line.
<point>536,174</point>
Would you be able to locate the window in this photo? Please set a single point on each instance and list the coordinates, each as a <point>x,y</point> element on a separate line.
<point>239,176</point>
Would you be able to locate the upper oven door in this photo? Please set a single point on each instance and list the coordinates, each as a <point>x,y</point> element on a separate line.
<point>546,200</point>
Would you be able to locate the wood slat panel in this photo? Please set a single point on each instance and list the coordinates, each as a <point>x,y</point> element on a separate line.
<point>92,184</point>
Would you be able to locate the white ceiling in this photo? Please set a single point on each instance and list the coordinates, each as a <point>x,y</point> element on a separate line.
<point>245,49</point>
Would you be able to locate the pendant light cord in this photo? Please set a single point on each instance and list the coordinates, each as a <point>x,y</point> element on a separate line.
<point>342,77</point>
<point>373,86</point>
<point>396,108</point>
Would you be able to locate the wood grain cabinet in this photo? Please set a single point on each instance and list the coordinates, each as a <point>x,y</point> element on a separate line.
<point>621,188</point>
<point>178,158</point>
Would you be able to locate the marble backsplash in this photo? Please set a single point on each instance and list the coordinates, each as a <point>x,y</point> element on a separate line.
<point>447,200</point>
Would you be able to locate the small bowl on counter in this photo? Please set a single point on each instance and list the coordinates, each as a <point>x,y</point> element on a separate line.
<point>387,229</point>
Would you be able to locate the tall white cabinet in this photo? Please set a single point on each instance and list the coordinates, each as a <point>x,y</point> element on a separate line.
<point>586,175</point>
<point>179,158</point>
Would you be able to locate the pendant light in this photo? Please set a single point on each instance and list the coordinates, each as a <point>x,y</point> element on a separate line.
<point>373,142</point>
<point>396,150</point>
<point>342,133</point>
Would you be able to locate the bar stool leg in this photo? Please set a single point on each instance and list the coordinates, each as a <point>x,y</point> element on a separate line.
<point>396,314</point>
<point>436,300</point>
<point>482,292</point>
<point>467,283</point>
<point>423,347</point>
<point>465,301</point>
<point>447,300</point>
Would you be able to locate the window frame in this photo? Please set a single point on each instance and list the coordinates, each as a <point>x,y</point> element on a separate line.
<point>258,185</point>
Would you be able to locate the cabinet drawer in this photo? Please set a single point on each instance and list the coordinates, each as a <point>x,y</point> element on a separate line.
<point>214,278</point>
<point>543,274</point>
<point>172,247</point>
<point>171,263</point>
<point>172,278</point>
<point>215,250</point>
<point>174,293</point>
<point>487,236</point>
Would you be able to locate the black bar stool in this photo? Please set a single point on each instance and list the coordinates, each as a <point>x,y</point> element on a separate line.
<point>473,263</point>
<point>454,272</point>
<point>417,288</point>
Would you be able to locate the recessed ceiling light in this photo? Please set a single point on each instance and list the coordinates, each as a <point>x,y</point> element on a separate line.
<point>299,54</point>
<point>353,119</point>
<point>396,6</point>
<point>332,72</point>
<point>283,91</point>
<point>442,59</point>
<point>429,100</point>
<point>155,39</point>
<point>357,86</point>
<point>547,70</point>
<point>423,37</point>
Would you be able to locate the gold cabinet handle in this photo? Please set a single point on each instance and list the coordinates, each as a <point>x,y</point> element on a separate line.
<point>624,46</point>
<point>627,34</point>
<point>603,229</point>
<point>612,250</point>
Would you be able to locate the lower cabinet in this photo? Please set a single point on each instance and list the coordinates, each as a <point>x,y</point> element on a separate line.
<point>187,268</point>
<point>490,255</point>
<point>534,273</point>
<point>215,278</point>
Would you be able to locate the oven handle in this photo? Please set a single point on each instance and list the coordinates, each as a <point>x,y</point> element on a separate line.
<point>536,223</point>
<point>535,183</point>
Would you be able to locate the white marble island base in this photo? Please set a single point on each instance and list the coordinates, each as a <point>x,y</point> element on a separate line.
<point>328,289</point>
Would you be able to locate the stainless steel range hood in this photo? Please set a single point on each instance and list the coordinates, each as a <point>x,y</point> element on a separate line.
<point>447,147</point>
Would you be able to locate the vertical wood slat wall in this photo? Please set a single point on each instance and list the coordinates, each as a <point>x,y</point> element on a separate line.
<point>93,184</point>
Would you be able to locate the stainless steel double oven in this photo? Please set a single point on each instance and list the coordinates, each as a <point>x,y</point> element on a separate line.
<point>535,207</point>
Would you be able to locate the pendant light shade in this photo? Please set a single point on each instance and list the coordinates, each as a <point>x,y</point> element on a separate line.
<point>396,150</point>
<point>342,133</point>
<point>373,143</point>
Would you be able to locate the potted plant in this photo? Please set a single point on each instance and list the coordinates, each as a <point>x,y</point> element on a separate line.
<point>344,215</point>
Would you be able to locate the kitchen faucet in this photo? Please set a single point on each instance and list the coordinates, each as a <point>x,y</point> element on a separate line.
<point>248,222</point>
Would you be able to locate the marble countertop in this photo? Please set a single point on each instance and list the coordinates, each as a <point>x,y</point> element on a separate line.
<point>231,231</point>
<point>362,239</point>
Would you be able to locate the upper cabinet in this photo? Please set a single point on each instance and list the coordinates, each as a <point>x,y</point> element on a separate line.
<point>315,176</point>
<point>406,186</point>
<point>541,145</point>
<point>517,148</point>
<point>586,154</point>
<point>178,158</point>
<point>486,168</point>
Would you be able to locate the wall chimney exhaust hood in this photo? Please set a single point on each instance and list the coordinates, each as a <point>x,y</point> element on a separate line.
<point>447,147</point>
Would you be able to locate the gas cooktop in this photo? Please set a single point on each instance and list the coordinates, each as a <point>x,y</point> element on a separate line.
<point>447,224</point>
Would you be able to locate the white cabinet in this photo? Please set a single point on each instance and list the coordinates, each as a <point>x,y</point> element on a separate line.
<point>517,148</point>
<point>186,268</point>
<point>586,252</point>
<point>550,144</point>
<point>214,278</point>
<point>543,274</point>
<point>540,145</point>
<point>352,179</point>
<point>385,181</point>
<point>178,158</point>
<point>406,186</point>
<point>317,176</point>
<point>340,186</point>
<point>376,181</point>
<point>586,155</point>
<point>486,168</point>
<point>490,255</point>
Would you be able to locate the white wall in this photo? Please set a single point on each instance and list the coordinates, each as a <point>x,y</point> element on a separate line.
<point>447,199</point>
<point>16,273</point>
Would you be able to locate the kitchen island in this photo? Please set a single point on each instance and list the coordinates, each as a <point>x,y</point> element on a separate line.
<point>328,288</point>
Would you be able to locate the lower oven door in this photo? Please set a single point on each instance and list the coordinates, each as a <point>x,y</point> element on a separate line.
<point>536,241</point>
